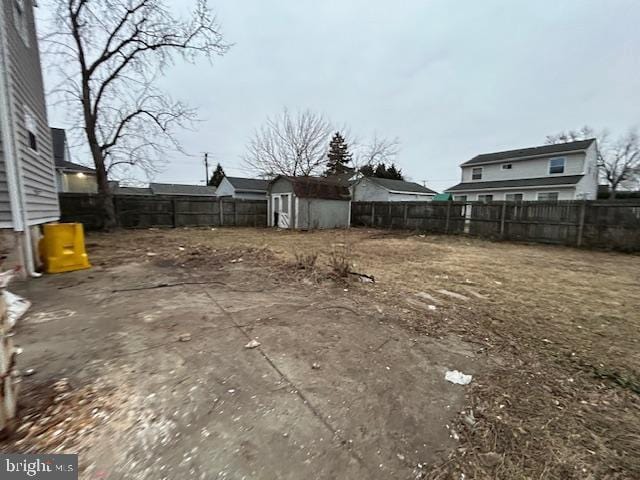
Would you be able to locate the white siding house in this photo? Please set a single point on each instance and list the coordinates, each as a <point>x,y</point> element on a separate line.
<point>28,193</point>
<point>372,189</point>
<point>245,188</point>
<point>566,171</point>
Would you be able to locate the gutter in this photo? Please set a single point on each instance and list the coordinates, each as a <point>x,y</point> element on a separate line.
<point>12,163</point>
<point>531,187</point>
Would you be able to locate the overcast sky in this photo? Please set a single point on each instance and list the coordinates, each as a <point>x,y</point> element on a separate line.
<point>451,79</point>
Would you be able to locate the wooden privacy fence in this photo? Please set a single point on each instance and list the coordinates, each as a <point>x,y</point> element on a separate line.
<point>588,223</point>
<point>140,211</point>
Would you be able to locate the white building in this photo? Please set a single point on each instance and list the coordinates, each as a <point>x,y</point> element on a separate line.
<point>565,171</point>
<point>372,189</point>
<point>245,188</point>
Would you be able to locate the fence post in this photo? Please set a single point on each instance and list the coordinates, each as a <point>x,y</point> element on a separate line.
<point>583,208</point>
<point>220,211</point>
<point>235,212</point>
<point>405,213</point>
<point>390,217</point>
<point>373,214</point>
<point>446,222</point>
<point>502,218</point>
<point>175,213</point>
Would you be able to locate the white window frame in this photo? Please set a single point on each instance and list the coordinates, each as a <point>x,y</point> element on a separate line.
<point>564,165</point>
<point>20,20</point>
<point>31,125</point>
<point>507,166</point>
<point>514,193</point>
<point>481,172</point>
<point>548,193</point>
<point>456,198</point>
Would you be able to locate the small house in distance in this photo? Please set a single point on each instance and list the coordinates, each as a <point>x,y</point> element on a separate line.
<point>308,203</point>
<point>373,189</point>
<point>71,177</point>
<point>245,188</point>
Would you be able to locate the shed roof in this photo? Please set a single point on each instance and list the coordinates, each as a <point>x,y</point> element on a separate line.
<point>524,153</point>
<point>179,189</point>
<point>401,186</point>
<point>317,187</point>
<point>248,184</point>
<point>520,182</point>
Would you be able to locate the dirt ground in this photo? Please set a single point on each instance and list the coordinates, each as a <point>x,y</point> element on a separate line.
<point>348,381</point>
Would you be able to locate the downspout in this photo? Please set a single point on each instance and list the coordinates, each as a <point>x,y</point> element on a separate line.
<point>14,183</point>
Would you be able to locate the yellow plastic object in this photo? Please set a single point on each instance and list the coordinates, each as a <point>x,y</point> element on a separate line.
<point>62,248</point>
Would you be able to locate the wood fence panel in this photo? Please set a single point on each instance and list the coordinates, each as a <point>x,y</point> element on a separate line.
<point>144,211</point>
<point>613,225</point>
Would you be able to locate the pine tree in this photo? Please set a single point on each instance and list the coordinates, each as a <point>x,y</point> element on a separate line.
<point>339,156</point>
<point>367,171</point>
<point>216,177</point>
<point>394,173</point>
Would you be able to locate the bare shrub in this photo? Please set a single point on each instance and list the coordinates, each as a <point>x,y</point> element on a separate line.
<point>306,261</point>
<point>340,260</point>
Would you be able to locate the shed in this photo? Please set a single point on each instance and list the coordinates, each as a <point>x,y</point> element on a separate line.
<point>308,202</point>
<point>443,197</point>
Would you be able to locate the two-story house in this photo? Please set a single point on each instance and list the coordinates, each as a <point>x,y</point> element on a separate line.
<point>564,171</point>
<point>28,194</point>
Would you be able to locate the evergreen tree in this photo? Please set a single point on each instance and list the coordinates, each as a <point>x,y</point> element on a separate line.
<point>382,171</point>
<point>339,156</point>
<point>367,170</point>
<point>394,173</point>
<point>216,177</point>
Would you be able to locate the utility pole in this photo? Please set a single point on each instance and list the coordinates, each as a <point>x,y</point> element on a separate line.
<point>206,168</point>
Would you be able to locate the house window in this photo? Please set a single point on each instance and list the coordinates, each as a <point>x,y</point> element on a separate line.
<point>32,128</point>
<point>20,20</point>
<point>548,196</point>
<point>556,165</point>
<point>507,166</point>
<point>513,197</point>
<point>476,173</point>
<point>460,198</point>
<point>485,198</point>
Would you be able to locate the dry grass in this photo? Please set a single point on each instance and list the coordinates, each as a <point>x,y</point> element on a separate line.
<point>559,327</point>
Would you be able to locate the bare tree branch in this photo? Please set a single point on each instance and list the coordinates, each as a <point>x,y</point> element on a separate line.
<point>108,55</point>
<point>290,144</point>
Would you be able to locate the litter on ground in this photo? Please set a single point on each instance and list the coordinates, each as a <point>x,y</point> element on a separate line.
<point>459,378</point>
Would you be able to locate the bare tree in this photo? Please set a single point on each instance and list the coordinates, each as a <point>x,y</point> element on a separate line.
<point>109,55</point>
<point>618,159</point>
<point>290,144</point>
<point>378,150</point>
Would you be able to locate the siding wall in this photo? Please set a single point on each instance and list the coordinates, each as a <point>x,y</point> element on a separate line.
<point>533,168</point>
<point>367,191</point>
<point>26,93</point>
<point>564,193</point>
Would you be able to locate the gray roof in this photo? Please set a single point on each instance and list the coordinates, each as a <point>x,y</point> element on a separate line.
<point>401,185</point>
<point>118,190</point>
<point>248,184</point>
<point>524,153</point>
<point>521,182</point>
<point>179,189</point>
<point>59,140</point>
